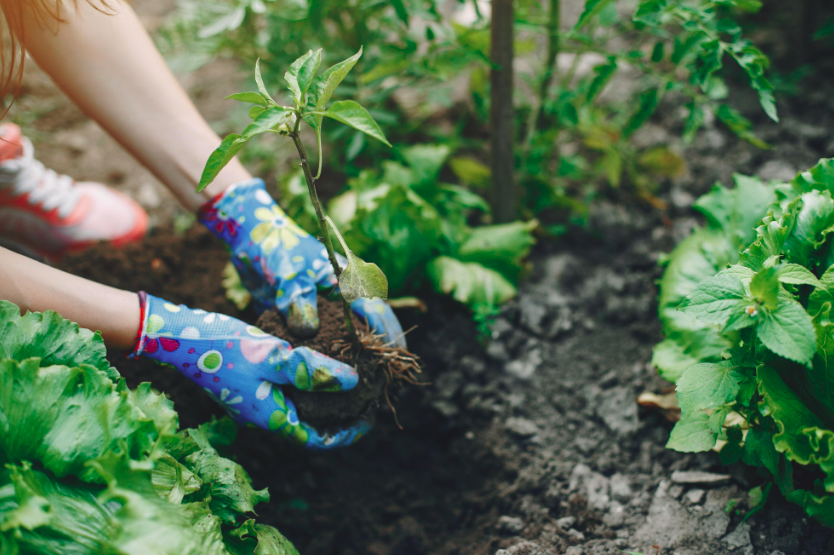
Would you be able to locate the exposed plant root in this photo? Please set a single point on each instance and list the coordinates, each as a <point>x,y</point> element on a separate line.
<point>397,363</point>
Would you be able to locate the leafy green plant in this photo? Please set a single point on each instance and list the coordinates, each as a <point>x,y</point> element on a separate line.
<point>676,51</point>
<point>93,467</point>
<point>311,95</point>
<point>417,227</point>
<point>758,343</point>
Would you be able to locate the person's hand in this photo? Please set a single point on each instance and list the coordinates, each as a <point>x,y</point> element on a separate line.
<point>243,368</point>
<point>281,264</point>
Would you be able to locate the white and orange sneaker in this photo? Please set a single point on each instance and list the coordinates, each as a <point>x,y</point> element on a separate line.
<point>52,214</point>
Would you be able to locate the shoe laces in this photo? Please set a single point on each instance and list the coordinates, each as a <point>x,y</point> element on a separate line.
<point>46,187</point>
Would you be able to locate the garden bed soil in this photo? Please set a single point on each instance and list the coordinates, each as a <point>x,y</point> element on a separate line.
<point>325,410</point>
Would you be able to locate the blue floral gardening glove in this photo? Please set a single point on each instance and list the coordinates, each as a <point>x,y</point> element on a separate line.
<point>281,264</point>
<point>243,368</point>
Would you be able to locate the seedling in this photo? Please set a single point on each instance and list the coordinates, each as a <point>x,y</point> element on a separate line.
<point>311,94</point>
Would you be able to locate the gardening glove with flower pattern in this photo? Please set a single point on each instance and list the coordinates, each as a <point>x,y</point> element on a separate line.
<point>244,368</point>
<point>281,264</point>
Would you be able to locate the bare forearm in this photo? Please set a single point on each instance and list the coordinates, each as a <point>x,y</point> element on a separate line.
<point>108,66</point>
<point>37,287</point>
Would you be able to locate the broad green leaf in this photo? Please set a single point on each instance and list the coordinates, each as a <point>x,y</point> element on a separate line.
<point>717,299</point>
<point>737,211</point>
<point>266,121</point>
<point>789,332</point>
<point>470,171</point>
<point>680,350</point>
<point>823,295</point>
<point>797,275</point>
<point>256,539</point>
<point>260,82</point>
<point>359,279</point>
<point>301,74</point>
<point>732,451</point>
<point>501,247</point>
<point>765,287</point>
<point>218,159</point>
<point>396,227</point>
<point>323,86</point>
<point>692,434</point>
<point>759,450</point>
<point>815,215</point>
<point>592,8</point>
<point>354,115</point>
<point>707,386</point>
<point>401,11</point>
<point>425,162</point>
<point>54,340</point>
<point>255,111</point>
<point>65,417</point>
<point>250,97</point>
<point>818,178</point>
<point>469,282</point>
<point>797,425</point>
<point>227,486</point>
<point>771,237</point>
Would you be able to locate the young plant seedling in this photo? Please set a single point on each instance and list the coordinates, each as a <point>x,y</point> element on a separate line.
<point>311,94</point>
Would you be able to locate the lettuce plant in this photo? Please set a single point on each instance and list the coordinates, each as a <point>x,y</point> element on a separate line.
<point>746,307</point>
<point>93,467</point>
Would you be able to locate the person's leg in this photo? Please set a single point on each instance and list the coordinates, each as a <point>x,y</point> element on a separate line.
<point>108,65</point>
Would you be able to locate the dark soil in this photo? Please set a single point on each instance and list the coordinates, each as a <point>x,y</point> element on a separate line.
<point>326,410</point>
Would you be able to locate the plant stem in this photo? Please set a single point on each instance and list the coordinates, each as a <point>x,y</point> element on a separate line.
<point>501,110</point>
<point>553,22</point>
<point>325,232</point>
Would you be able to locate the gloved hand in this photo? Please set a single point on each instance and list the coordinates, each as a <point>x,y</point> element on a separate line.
<point>243,368</point>
<point>281,264</point>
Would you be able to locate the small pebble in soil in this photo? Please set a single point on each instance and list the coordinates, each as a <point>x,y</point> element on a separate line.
<point>566,522</point>
<point>698,477</point>
<point>509,525</point>
<point>695,496</point>
<point>576,535</point>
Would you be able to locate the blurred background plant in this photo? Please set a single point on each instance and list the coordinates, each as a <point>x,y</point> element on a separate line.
<point>581,95</point>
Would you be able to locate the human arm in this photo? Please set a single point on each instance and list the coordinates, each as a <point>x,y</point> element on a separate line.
<point>107,64</point>
<point>37,287</point>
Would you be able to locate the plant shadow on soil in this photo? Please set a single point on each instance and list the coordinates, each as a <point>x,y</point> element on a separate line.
<point>423,489</point>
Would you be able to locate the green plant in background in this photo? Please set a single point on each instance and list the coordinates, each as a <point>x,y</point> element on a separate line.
<point>311,95</point>
<point>751,341</point>
<point>671,49</point>
<point>93,467</point>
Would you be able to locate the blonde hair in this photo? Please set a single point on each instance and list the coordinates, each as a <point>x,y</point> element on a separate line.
<point>46,13</point>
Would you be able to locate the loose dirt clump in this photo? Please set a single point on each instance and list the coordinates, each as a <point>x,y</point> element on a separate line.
<point>381,367</point>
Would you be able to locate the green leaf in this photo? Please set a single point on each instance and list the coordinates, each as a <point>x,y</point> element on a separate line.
<point>218,159</point>
<point>52,339</point>
<point>502,247</point>
<point>255,111</point>
<point>359,279</point>
<point>602,75</point>
<point>707,386</point>
<point>227,486</point>
<point>301,74</point>
<point>717,299</point>
<point>648,104</point>
<point>469,282</point>
<point>737,211</point>
<point>323,86</point>
<point>402,12</point>
<point>739,125</point>
<point>765,287</point>
<point>819,178</point>
<point>658,52</point>
<point>797,275</point>
<point>250,97</point>
<point>759,450</point>
<point>256,539</point>
<point>731,452</point>
<point>823,296</point>
<point>692,434</point>
<point>425,163</point>
<point>266,121</point>
<point>260,82</point>
<point>592,8</point>
<point>354,115</point>
<point>470,171</point>
<point>789,332</point>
